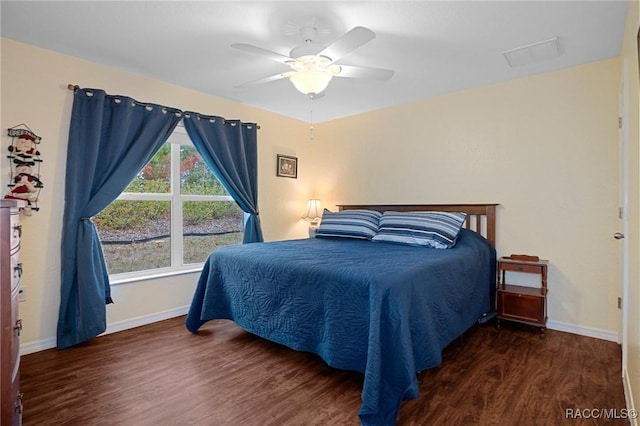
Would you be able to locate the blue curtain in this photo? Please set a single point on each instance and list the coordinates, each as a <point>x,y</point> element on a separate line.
<point>230,149</point>
<point>111,138</point>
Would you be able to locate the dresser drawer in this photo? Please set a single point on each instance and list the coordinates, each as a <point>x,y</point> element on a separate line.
<point>16,325</point>
<point>15,230</point>
<point>16,266</point>
<point>16,273</point>
<point>17,400</point>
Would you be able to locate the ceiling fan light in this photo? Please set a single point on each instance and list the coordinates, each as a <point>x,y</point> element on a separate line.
<point>309,82</point>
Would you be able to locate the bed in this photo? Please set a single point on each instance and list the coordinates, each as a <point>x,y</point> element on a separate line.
<point>386,310</point>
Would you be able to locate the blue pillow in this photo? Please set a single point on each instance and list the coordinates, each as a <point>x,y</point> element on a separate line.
<point>432,229</point>
<point>362,224</point>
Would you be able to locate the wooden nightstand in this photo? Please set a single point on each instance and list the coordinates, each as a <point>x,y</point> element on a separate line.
<point>518,303</point>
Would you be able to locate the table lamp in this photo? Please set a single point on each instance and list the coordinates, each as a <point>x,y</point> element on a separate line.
<point>313,216</point>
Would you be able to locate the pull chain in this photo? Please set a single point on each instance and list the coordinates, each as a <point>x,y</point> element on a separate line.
<point>311,128</point>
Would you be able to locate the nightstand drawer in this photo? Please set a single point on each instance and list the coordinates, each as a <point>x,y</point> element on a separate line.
<point>521,307</point>
<point>521,267</point>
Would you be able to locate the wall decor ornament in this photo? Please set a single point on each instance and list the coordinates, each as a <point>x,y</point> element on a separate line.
<point>24,176</point>
<point>287,166</point>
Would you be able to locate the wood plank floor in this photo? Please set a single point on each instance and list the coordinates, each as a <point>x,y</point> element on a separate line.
<point>161,374</point>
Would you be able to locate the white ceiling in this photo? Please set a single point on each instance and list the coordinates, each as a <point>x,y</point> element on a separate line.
<point>435,47</point>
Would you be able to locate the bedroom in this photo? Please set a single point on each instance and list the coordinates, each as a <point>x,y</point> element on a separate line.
<point>534,145</point>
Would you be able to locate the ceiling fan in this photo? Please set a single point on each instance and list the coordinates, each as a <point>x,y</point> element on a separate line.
<point>313,65</point>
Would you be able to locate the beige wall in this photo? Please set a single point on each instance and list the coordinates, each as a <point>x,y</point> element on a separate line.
<point>34,91</point>
<point>632,127</point>
<point>544,147</point>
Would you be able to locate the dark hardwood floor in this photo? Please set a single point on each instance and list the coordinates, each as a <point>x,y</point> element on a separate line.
<point>161,374</point>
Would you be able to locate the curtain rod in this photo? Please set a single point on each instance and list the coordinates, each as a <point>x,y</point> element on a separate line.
<point>73,88</point>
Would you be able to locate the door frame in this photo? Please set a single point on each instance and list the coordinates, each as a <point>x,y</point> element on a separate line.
<point>623,197</point>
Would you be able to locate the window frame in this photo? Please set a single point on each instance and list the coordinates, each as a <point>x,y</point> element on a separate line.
<point>178,138</point>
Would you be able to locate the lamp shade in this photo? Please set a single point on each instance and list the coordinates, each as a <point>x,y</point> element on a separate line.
<point>311,81</point>
<point>313,214</point>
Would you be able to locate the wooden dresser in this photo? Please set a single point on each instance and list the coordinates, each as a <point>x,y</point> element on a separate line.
<point>11,325</point>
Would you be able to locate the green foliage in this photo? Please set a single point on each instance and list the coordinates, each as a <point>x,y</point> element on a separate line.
<point>154,186</point>
<point>127,214</point>
<point>195,212</point>
<point>212,187</point>
<point>195,175</point>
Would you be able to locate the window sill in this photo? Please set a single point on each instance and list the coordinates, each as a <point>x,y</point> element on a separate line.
<point>133,277</point>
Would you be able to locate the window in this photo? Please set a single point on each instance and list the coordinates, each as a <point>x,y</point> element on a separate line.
<point>170,217</point>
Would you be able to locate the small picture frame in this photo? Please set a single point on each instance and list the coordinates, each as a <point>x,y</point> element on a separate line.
<point>287,166</point>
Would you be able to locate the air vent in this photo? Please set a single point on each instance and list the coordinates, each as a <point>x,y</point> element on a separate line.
<point>533,53</point>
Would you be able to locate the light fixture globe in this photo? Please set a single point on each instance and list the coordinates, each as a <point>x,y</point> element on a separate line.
<point>309,82</point>
<point>312,73</point>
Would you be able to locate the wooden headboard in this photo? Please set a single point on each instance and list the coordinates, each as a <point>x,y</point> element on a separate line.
<point>480,217</point>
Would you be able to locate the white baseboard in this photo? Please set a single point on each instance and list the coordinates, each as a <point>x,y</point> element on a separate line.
<point>37,346</point>
<point>628,396</point>
<point>41,345</point>
<point>583,331</point>
<point>145,319</point>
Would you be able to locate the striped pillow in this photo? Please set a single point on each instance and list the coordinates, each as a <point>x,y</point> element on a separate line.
<point>361,224</point>
<point>432,229</point>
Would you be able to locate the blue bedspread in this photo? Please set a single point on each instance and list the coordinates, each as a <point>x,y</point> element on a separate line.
<point>386,310</point>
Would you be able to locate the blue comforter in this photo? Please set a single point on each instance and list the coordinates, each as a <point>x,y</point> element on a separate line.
<point>385,310</point>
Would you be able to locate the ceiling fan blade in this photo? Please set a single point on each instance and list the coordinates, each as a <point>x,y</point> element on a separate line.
<point>265,80</point>
<point>348,43</point>
<point>352,71</point>
<point>274,56</point>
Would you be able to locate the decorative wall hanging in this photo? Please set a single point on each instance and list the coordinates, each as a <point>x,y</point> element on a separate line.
<point>24,177</point>
<point>287,166</point>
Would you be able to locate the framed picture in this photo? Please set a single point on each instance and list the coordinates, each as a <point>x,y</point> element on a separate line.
<point>287,166</point>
